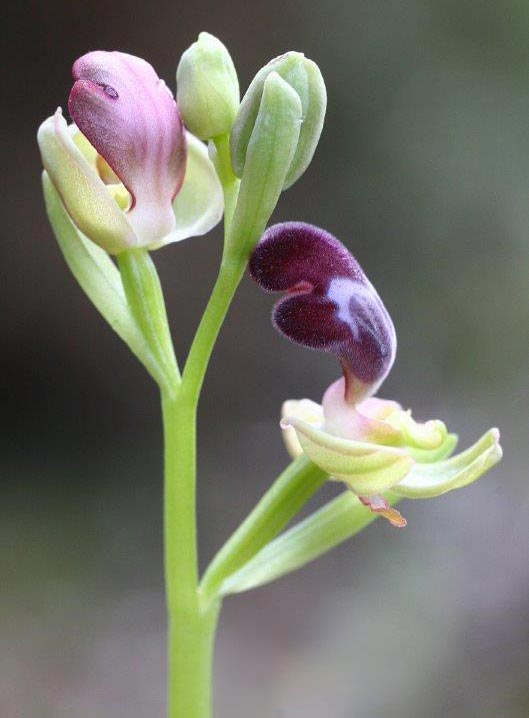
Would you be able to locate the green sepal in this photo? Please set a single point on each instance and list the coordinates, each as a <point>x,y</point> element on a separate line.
<point>428,480</point>
<point>85,196</point>
<point>199,205</point>
<point>428,456</point>
<point>366,468</point>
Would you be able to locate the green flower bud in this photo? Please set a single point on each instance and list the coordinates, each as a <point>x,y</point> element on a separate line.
<point>269,156</point>
<point>207,88</point>
<point>305,78</point>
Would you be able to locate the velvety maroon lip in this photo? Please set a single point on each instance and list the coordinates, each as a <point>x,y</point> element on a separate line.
<point>301,288</point>
<point>329,303</point>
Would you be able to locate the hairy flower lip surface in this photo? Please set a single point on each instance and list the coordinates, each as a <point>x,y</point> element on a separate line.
<point>131,118</point>
<point>329,303</point>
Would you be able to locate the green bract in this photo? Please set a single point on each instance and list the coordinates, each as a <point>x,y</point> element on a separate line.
<point>207,88</point>
<point>305,78</point>
<point>100,279</point>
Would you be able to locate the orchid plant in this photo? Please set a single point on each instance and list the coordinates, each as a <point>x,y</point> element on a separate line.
<point>136,170</point>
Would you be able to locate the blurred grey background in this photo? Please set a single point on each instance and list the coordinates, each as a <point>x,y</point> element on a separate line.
<point>423,171</point>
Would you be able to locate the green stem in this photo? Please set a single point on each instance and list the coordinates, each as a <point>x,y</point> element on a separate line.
<point>230,183</point>
<point>191,628</point>
<point>191,625</point>
<point>179,504</point>
<point>287,495</point>
<point>190,646</point>
<point>230,275</point>
<point>192,622</point>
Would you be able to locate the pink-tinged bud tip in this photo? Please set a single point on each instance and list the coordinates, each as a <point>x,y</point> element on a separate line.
<point>131,118</point>
<point>330,305</point>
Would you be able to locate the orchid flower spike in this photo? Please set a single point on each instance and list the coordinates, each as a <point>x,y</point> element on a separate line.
<point>372,445</point>
<point>127,172</point>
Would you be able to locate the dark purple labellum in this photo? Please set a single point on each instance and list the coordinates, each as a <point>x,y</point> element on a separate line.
<point>330,304</point>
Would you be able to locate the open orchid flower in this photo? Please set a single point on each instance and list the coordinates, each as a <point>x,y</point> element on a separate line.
<point>127,172</point>
<point>371,445</point>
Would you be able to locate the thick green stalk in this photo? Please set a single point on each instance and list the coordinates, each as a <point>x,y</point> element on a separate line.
<point>191,629</point>
<point>179,505</point>
<point>190,646</point>
<point>191,625</point>
<point>287,495</point>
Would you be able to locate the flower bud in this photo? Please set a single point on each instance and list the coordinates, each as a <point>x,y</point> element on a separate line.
<point>330,304</point>
<point>127,173</point>
<point>130,117</point>
<point>305,78</point>
<point>207,88</point>
<point>270,151</point>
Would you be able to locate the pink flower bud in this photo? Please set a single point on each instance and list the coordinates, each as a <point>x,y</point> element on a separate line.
<point>130,116</point>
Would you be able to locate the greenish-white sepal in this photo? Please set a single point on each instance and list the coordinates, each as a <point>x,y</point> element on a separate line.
<point>270,150</point>
<point>367,469</point>
<point>199,205</point>
<point>428,480</point>
<point>334,523</point>
<point>306,409</point>
<point>98,276</point>
<point>83,193</point>
<point>428,456</point>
